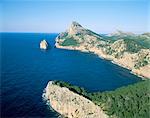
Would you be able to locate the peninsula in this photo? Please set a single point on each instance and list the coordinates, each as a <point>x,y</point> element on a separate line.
<point>75,102</point>
<point>128,50</point>
<point>70,104</point>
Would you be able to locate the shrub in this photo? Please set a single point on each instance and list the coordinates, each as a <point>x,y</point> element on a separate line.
<point>132,101</point>
<point>69,42</point>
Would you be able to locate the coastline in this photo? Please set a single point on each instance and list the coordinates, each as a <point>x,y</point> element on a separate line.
<point>106,57</point>
<point>75,102</point>
<point>140,76</point>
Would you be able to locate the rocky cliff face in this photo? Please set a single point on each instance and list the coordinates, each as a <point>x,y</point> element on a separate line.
<point>70,104</point>
<point>125,49</point>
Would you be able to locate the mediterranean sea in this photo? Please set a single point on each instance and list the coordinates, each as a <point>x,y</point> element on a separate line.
<point>26,70</point>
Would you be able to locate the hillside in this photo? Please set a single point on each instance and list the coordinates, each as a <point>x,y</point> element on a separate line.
<point>132,101</point>
<point>125,49</point>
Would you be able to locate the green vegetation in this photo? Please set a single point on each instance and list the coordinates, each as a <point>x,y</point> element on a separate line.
<point>141,40</point>
<point>109,50</point>
<point>89,32</point>
<point>73,88</point>
<point>110,39</point>
<point>63,35</point>
<point>81,36</point>
<point>69,42</point>
<point>133,46</point>
<point>132,101</point>
<point>142,62</point>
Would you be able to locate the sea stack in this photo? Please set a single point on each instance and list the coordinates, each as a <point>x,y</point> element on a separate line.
<point>44,45</point>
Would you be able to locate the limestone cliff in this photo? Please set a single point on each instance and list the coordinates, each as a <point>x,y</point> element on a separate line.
<point>125,49</point>
<point>70,104</point>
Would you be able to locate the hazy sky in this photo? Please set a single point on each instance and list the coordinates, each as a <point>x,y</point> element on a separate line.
<point>55,16</point>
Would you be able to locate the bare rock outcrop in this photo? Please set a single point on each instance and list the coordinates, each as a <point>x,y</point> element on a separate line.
<point>70,104</point>
<point>75,28</point>
<point>43,44</point>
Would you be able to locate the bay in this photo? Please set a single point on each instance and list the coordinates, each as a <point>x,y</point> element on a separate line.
<point>26,70</point>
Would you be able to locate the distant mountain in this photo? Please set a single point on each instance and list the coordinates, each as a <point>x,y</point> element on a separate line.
<point>142,39</point>
<point>121,33</point>
<point>126,49</point>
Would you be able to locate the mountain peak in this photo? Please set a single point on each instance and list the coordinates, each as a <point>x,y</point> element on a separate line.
<point>75,24</point>
<point>75,28</point>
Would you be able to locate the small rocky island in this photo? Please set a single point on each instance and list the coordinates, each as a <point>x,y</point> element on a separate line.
<point>44,45</point>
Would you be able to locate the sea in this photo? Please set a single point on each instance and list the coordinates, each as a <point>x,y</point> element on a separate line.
<point>26,70</point>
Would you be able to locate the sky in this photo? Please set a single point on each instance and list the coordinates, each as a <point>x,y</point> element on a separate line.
<point>101,16</point>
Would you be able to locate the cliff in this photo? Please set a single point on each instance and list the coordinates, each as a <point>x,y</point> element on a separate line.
<point>70,104</point>
<point>125,49</point>
<point>125,102</point>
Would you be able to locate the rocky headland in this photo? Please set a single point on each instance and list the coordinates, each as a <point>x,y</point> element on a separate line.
<point>128,50</point>
<point>73,101</point>
<point>70,104</point>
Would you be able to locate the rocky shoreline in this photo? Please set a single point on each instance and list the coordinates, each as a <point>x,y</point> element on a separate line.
<point>127,50</point>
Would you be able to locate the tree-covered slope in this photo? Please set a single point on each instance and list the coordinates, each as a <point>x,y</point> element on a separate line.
<point>132,101</point>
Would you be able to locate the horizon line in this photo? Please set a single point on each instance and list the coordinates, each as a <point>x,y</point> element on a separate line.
<point>61,32</point>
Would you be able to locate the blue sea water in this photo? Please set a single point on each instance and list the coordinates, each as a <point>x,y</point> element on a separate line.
<point>26,70</point>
